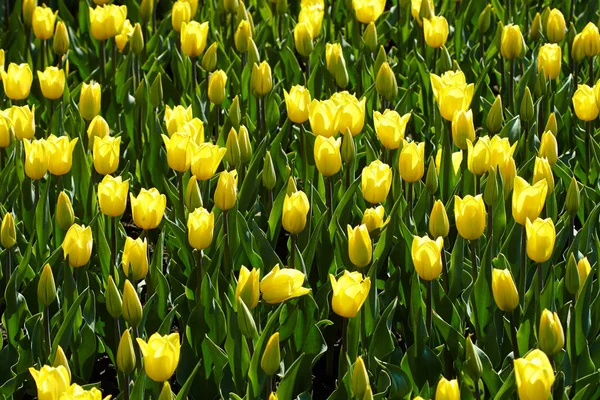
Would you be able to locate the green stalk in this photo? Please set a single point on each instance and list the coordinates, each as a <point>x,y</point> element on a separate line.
<point>523,266</point>
<point>513,334</point>
<point>474,272</point>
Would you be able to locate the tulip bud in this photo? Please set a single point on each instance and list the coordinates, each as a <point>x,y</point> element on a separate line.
<point>271,357</point>
<point>445,63</point>
<point>233,148</point>
<point>485,19</point>
<point>540,83</point>
<point>291,186</point>
<point>245,145</point>
<point>235,114</point>
<point>281,7</point>
<point>474,366</point>
<point>548,147</point>
<point>132,308</point>
<point>46,289</point>
<point>253,54</point>
<point>439,226</point>
<point>551,125</point>
<point>526,110</point>
<point>360,378</point>
<point>495,117</point>
<point>379,60</point>
<point>126,354</point>
<point>146,10</point>
<point>490,193</point>
<point>550,335</point>
<point>114,304</point>
<point>303,41</point>
<point>193,196</point>
<point>165,393</point>
<point>498,36</point>
<point>209,59</point>
<point>385,83</point>
<point>246,323</point>
<point>60,43</point>
<point>261,80</point>
<point>431,180</point>
<point>577,50</point>
<point>217,87</point>
<point>573,197</point>
<point>348,147</point>
<point>61,360</point>
<point>368,394</point>
<point>136,43</point>
<point>370,37</point>
<point>336,65</point>
<point>269,177</point>
<point>425,11</point>
<point>156,91</point>
<point>536,27</point>
<point>28,7</point>
<point>572,278</point>
<point>64,212</point>
<point>231,6</point>
<point>242,34</point>
<point>8,231</point>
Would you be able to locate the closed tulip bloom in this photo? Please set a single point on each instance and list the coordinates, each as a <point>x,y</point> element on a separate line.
<point>470,216</point>
<point>479,156</point>
<point>52,82</point>
<point>247,288</point>
<point>512,43</point>
<point>36,158</point>
<point>206,159</point>
<point>439,226</point>
<point>541,236</point>
<point>359,381</point>
<point>5,129</point>
<point>368,10</point>
<point>385,82</point>
<point>303,41</point>
<point>528,200</point>
<point>217,87</point>
<point>17,81</point>
<point>376,181</point>
<point>447,390</point>
<point>42,22</point>
<point>107,21</point>
<point>584,103</point>
<point>200,225</point>
<point>242,34</point>
<point>132,307</point>
<point>436,31</point>
<point>327,155</point>
<point>501,150</point>
<point>336,64</point>
<point>148,208</point>
<point>463,128</point>
<point>226,191</point>
<point>161,356</point>
<point>89,100</point>
<point>179,151</point>
<point>76,392</point>
<point>122,38</point>
<point>193,37</point>
<point>22,120</point>
<point>283,284</point>
<point>314,17</point>
<point>390,127</point>
<point>427,256</point>
<point>415,9</point>
<point>106,154</point>
<point>51,382</point>
<point>549,147</point>
<point>508,171</point>
<point>297,103</point>
<point>549,59</point>
<point>447,79</point>
<point>577,51</point>
<point>193,6</point>
<point>534,376</point>
<point>360,247</point>
<point>590,40</point>
<point>261,81</point>
<point>373,218</point>
<point>451,93</point>
<point>112,195</point>
<point>350,115</point>
<point>504,290</point>
<point>349,293</point>
<point>135,258</point>
<point>177,117</point>
<point>194,128</point>
<point>551,335</point>
<point>126,358</point>
<point>543,170</point>
<point>98,128</point>
<point>77,245</point>
<point>295,210</point>
<point>60,154</point>
<point>556,27</point>
<point>271,357</point>
<point>322,117</point>
<point>411,162</point>
<point>8,232</point>
<point>28,7</point>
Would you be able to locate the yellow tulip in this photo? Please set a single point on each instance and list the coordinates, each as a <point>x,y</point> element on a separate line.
<point>501,150</point>
<point>427,256</point>
<point>350,115</point>
<point>193,6</point>
<point>193,37</point>
<point>283,284</point>
<point>217,87</point>
<point>271,357</point>
<point>376,181</point>
<point>508,170</point>
<point>297,103</point>
<point>303,40</point>
<point>36,158</point>
<point>5,129</point>
<point>22,120</point>
<point>60,154</point>
<point>148,208</point>
<point>201,225</point>
<point>51,382</point>
<point>541,236</point>
<point>179,151</point>
<point>112,195</point>
<point>436,31</point>
<point>360,247</point>
<point>512,43</point>
<point>226,191</point>
<point>368,10</point>
<point>42,21</point>
<point>177,117</point>
<point>107,21</point>
<point>314,17</point>
<point>549,58</point>
<point>61,358</point>
<point>548,147</point>
<point>447,390</point>
<point>584,268</point>
<point>89,100</point>
<point>534,376</point>
<point>242,34</point>
<point>590,40</point>
<point>359,381</point>
<point>28,7</point>
<point>261,81</point>
<point>556,27</point>
<point>98,128</point>
<point>528,200</point>
<point>247,288</point>
<point>123,37</point>
<point>577,51</point>
<point>206,159</point>
<point>180,14</point>
<point>463,128</point>
<point>106,154</point>
<point>76,392</point>
<point>584,103</point>
<point>64,215</point>
<point>504,290</point>
<point>479,156</point>
<point>543,170</point>
<point>411,162</point>
<point>295,210</point>
<point>447,79</point>
<point>390,127</point>
<point>336,64</point>
<point>322,117</point>
<point>132,307</point>
<point>373,218</point>
<point>135,258</point>
<point>8,232</point>
<point>327,155</point>
<point>17,81</point>
<point>439,226</point>
<point>77,245</point>
<point>195,128</point>
<point>349,293</point>
<point>452,97</point>
<point>161,355</point>
<point>470,216</point>
<point>551,335</point>
<point>415,9</point>
<point>52,82</point>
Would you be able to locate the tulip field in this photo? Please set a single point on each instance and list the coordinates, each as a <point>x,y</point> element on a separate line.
<point>299,199</point>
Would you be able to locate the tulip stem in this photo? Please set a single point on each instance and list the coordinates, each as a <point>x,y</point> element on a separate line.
<point>198,254</point>
<point>513,334</point>
<point>511,85</point>
<point>113,250</point>
<point>523,266</point>
<point>409,200</point>
<point>591,77</point>
<point>48,332</point>
<point>329,194</point>
<point>446,279</point>
<point>126,386</point>
<point>269,385</point>
<point>573,349</point>
<point>588,148</point>
<point>292,250</point>
<point>181,196</point>
<point>474,269</point>
<point>264,115</point>
<point>43,55</point>
<point>103,60</point>
<point>429,308</point>
<point>490,225</point>
<point>195,71</point>
<point>540,280</point>
<point>228,266</point>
